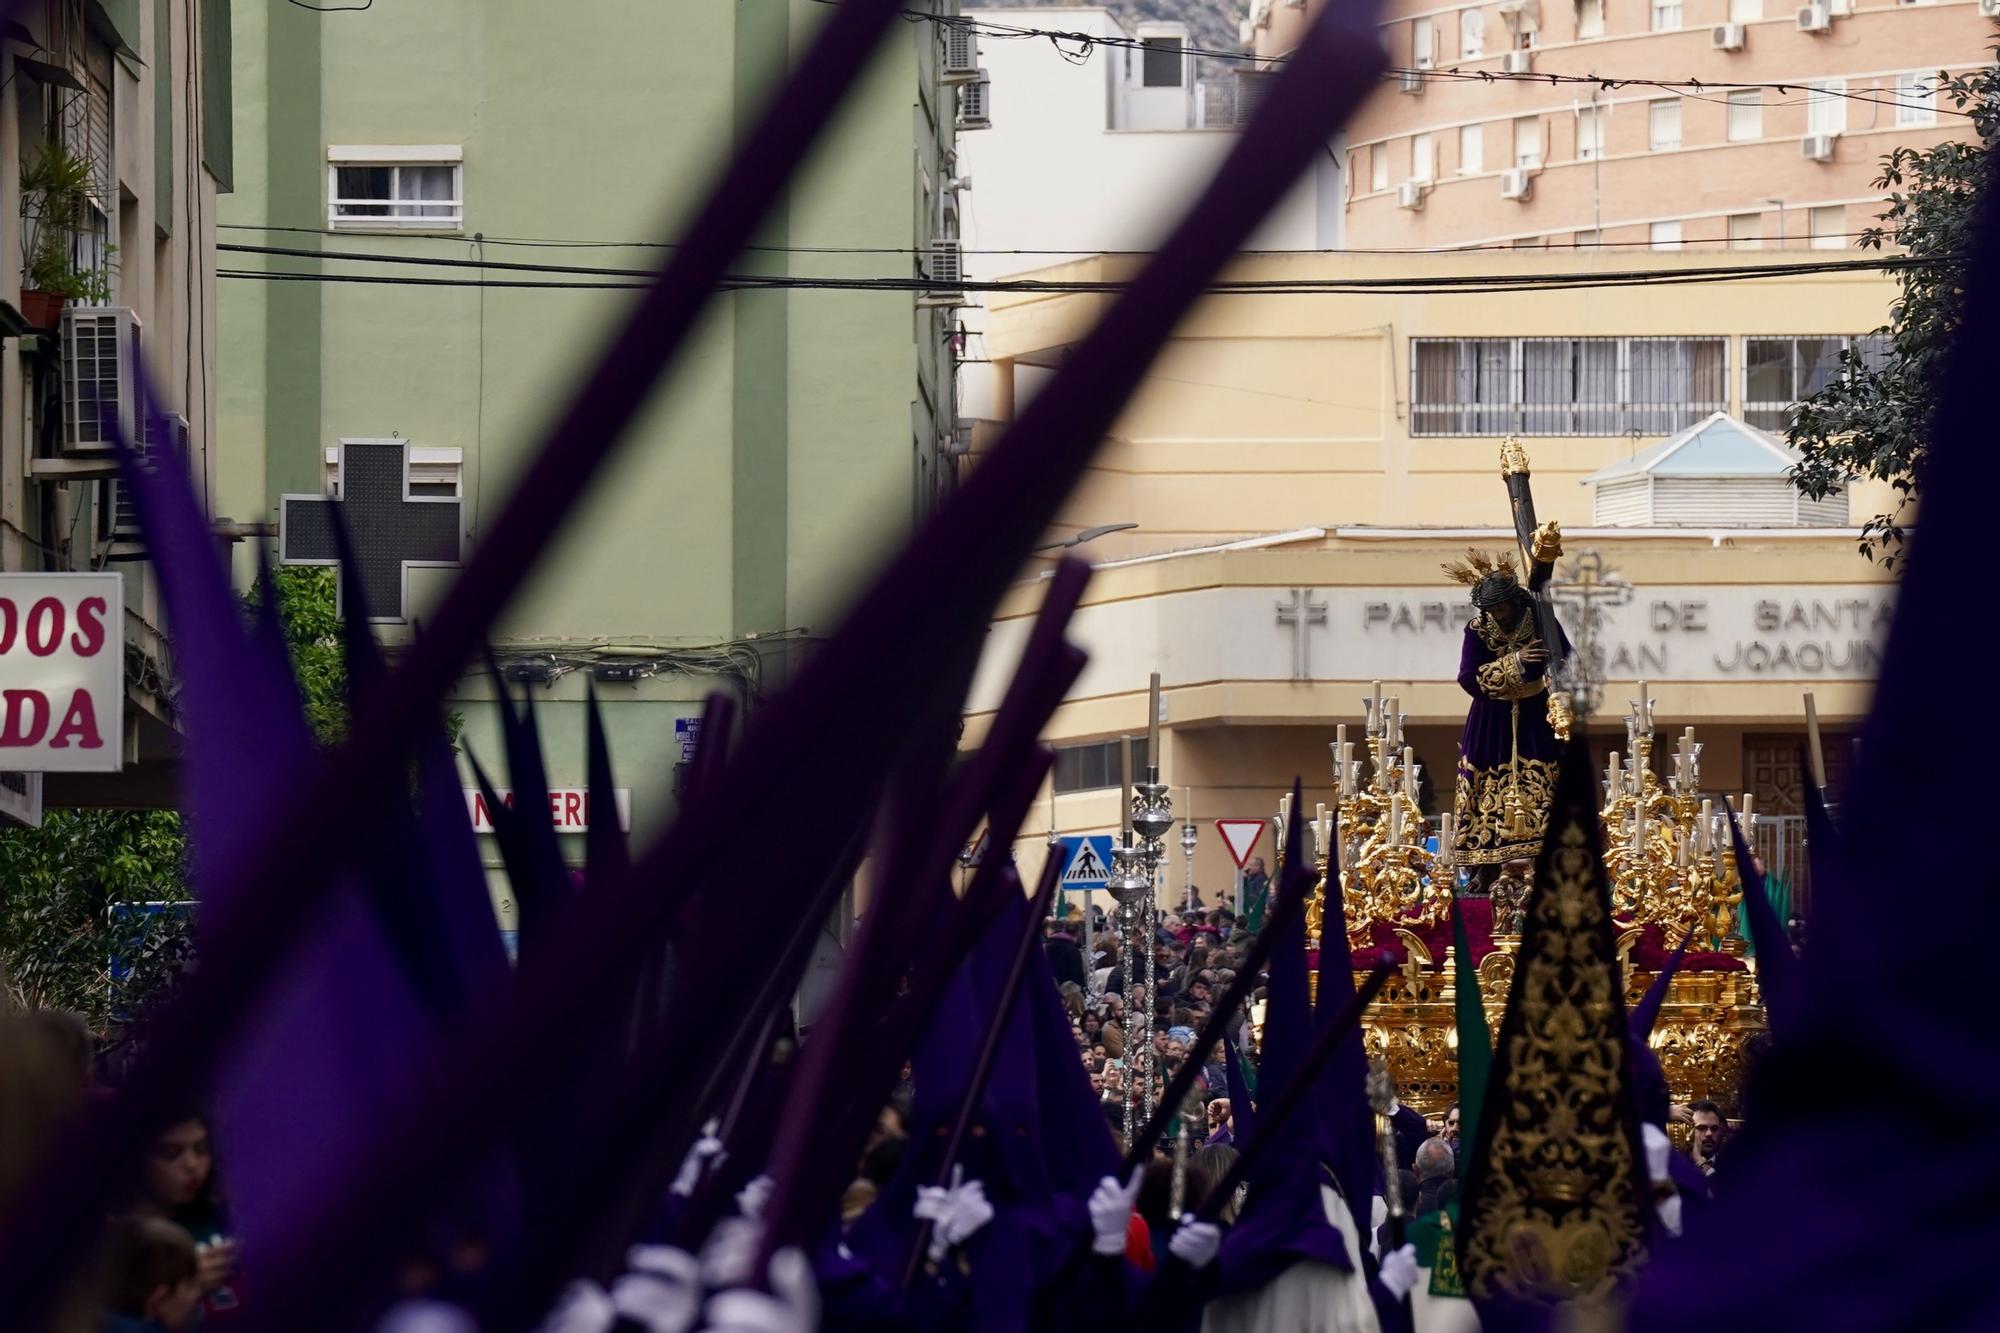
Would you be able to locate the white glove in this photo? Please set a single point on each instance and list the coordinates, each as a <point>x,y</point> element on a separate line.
<point>750,1200</point>
<point>731,1253</point>
<point>792,1306</point>
<point>1111,1211</point>
<point>954,1213</point>
<point>426,1317</point>
<point>1195,1243</point>
<point>1669,1210</point>
<point>1399,1271</point>
<point>1659,1151</point>
<point>584,1308</point>
<point>707,1150</point>
<point>662,1292</point>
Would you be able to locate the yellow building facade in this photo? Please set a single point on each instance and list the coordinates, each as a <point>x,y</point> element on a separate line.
<point>1298,466</point>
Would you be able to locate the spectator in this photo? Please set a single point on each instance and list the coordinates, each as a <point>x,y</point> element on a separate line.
<point>1216,1161</point>
<point>154,1280</point>
<point>1065,957</point>
<point>1072,1000</point>
<point>180,1187</point>
<point>1711,1134</point>
<point>1436,1166</point>
<point>1256,891</point>
<point>1450,1134</point>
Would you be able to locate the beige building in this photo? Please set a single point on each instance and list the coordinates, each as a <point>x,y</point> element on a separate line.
<point>1439,160</point>
<point>134,97</point>
<point>1298,466</point>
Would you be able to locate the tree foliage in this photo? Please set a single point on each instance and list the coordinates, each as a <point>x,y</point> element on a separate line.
<point>1872,422</point>
<point>71,890</point>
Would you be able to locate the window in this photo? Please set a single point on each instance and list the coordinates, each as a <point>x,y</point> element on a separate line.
<point>1423,43</point>
<point>1665,236</point>
<point>1746,231</point>
<point>1826,106</point>
<point>1915,100</point>
<point>1163,62</point>
<point>1471,34</point>
<point>1663,130</point>
<point>1423,157</point>
<point>1587,130</point>
<point>1779,372</point>
<point>1378,168</point>
<point>1666,15</point>
<point>1471,149</point>
<point>1096,765</point>
<point>433,471</point>
<point>1746,11</point>
<point>1527,141</point>
<point>1589,19</point>
<point>1746,115</point>
<point>1828,227</point>
<point>394,187</point>
<point>1564,386</point>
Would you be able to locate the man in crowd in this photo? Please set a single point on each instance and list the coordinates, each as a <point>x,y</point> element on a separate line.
<point>1256,891</point>
<point>1711,1133</point>
<point>1436,1169</point>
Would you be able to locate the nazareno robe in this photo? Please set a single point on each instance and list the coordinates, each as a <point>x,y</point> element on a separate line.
<point>1507,744</point>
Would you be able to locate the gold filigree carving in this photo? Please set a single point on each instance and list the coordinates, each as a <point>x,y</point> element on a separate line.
<point>1485,813</point>
<point>1558,1213</point>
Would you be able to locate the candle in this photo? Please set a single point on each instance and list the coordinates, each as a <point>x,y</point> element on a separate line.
<point>1614,776</point>
<point>1395,816</point>
<point>1639,826</point>
<point>1708,825</point>
<point>1125,782</point>
<point>1814,754</point>
<point>1375,709</point>
<point>1347,767</point>
<point>1409,774</point>
<point>1153,722</point>
<point>1748,816</point>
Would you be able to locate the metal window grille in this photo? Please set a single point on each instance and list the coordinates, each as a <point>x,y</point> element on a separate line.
<point>1779,372</point>
<point>1094,765</point>
<point>1163,62</point>
<point>1565,386</point>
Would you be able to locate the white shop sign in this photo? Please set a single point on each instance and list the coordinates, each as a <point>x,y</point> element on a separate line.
<point>62,672</point>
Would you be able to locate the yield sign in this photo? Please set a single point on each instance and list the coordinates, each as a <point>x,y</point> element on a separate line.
<point>1239,836</point>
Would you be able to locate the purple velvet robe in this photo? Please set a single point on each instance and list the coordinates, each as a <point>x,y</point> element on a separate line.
<point>1507,741</point>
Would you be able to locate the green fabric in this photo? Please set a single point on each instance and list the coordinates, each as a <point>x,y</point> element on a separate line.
<point>1475,1042</point>
<point>1249,1072</point>
<point>1778,892</point>
<point>218,131</point>
<point>1254,902</point>
<point>162,60</point>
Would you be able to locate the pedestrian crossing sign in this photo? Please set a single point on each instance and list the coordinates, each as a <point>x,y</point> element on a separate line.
<point>1089,864</point>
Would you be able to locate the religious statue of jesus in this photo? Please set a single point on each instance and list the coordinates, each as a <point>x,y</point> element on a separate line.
<point>1516,725</point>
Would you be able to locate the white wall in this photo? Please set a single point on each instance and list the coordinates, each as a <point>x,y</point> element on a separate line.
<point>1051,175</point>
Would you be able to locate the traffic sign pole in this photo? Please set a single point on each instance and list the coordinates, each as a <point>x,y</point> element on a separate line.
<point>1239,892</point>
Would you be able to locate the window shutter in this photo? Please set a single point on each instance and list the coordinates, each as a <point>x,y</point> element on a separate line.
<point>218,133</point>
<point>161,60</point>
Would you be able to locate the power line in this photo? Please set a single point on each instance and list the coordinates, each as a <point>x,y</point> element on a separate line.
<point>1085,42</point>
<point>1074,252</point>
<point>1418,284</point>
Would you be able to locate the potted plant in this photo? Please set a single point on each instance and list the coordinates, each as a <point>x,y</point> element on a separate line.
<point>54,205</point>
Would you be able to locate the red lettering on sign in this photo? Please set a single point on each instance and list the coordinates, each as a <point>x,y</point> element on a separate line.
<point>480,814</point>
<point>88,640</point>
<point>10,623</point>
<point>573,810</point>
<point>45,626</point>
<point>26,717</point>
<point>79,722</point>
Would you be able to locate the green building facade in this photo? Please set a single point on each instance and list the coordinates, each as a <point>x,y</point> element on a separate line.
<point>797,438</point>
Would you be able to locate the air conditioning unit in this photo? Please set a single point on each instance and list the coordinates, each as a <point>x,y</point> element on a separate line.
<point>1726,37</point>
<point>1413,83</point>
<point>1516,183</point>
<point>1815,18</point>
<point>117,511</point>
<point>1410,194</point>
<point>961,53</point>
<point>945,267</point>
<point>100,359</point>
<point>1989,9</point>
<point>975,103</point>
<point>1520,61</point>
<point>959,443</point>
<point>1817,147</point>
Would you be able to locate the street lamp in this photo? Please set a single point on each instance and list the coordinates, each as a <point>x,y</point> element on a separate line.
<point>1087,535</point>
